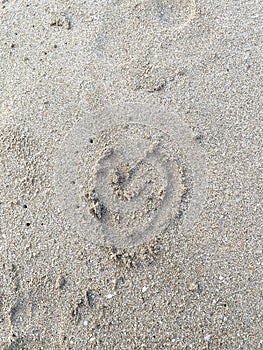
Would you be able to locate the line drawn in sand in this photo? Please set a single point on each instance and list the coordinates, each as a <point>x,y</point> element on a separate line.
<point>120,181</point>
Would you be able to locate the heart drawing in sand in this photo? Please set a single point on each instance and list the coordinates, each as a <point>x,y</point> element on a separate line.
<point>121,184</point>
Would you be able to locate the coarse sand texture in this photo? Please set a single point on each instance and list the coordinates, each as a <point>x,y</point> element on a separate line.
<point>131,138</point>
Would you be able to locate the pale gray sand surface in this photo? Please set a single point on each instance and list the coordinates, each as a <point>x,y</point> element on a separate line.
<point>136,124</point>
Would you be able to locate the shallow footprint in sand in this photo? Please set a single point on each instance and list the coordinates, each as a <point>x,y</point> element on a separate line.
<point>176,14</point>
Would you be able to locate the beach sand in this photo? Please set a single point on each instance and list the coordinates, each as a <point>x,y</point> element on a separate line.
<point>131,175</point>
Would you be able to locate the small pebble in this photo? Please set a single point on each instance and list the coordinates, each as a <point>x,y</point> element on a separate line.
<point>60,282</point>
<point>144,289</point>
<point>207,337</point>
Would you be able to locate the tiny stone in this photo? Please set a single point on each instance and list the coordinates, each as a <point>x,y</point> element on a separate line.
<point>90,297</point>
<point>109,296</point>
<point>207,337</point>
<point>144,289</point>
<point>85,323</point>
<point>60,282</point>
